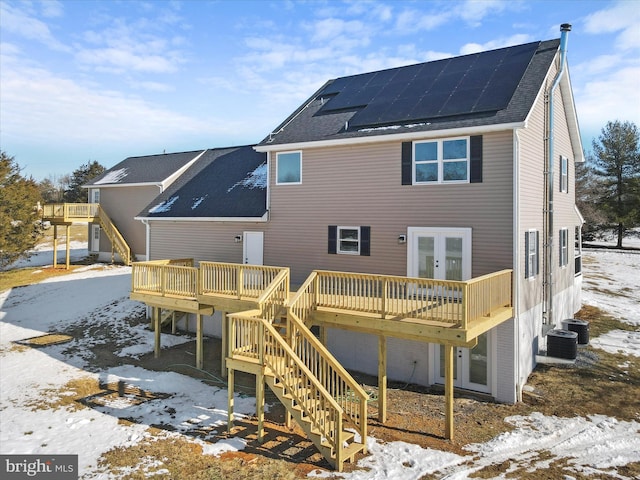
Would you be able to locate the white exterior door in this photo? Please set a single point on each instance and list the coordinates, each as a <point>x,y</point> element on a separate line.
<point>445,254</point>
<point>95,237</point>
<point>252,250</point>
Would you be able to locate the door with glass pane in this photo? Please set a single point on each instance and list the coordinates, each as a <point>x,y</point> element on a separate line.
<point>445,254</point>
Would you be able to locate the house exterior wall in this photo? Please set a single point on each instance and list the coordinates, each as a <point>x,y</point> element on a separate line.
<point>122,204</point>
<point>531,195</point>
<point>361,186</point>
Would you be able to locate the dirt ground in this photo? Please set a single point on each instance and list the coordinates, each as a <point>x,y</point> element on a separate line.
<point>593,385</point>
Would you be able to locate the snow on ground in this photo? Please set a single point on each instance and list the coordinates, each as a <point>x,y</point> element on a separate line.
<point>95,299</point>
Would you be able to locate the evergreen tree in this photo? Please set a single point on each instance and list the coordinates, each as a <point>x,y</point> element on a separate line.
<point>18,213</point>
<point>616,161</point>
<point>75,193</point>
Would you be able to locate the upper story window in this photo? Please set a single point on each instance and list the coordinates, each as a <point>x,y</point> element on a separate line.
<point>289,168</point>
<point>441,161</point>
<point>564,174</point>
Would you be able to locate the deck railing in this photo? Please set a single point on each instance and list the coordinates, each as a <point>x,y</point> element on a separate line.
<point>452,302</point>
<point>164,279</point>
<point>70,211</point>
<point>235,279</point>
<point>263,284</point>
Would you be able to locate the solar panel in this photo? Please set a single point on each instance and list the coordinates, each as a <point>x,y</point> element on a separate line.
<point>468,84</point>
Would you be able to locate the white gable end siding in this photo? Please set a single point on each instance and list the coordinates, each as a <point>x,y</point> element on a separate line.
<point>531,204</point>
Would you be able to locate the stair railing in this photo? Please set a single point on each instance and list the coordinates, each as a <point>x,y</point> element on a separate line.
<point>255,338</point>
<point>342,386</point>
<point>115,237</point>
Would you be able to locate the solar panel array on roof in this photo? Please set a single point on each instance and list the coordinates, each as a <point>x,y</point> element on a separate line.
<point>482,82</point>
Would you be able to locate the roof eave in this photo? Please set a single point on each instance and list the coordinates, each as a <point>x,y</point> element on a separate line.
<point>263,218</point>
<point>392,137</point>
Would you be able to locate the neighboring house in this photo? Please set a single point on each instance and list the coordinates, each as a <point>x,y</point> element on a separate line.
<point>125,189</point>
<point>449,169</point>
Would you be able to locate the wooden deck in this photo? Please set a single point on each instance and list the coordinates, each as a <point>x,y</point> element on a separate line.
<point>269,335</point>
<point>65,214</point>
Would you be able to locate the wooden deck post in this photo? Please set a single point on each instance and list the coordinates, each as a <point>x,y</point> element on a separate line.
<point>55,246</point>
<point>382,379</point>
<point>260,406</point>
<point>68,246</point>
<point>157,327</point>
<point>448,390</point>
<point>224,349</point>
<point>230,385</point>
<point>199,347</point>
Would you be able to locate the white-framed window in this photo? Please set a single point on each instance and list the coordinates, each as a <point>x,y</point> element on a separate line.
<point>349,240</point>
<point>289,168</point>
<point>441,161</point>
<point>564,247</point>
<point>531,248</point>
<point>564,174</point>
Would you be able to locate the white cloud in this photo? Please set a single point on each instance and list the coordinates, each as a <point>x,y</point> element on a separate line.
<point>22,22</point>
<point>516,39</point>
<point>622,17</point>
<point>609,96</point>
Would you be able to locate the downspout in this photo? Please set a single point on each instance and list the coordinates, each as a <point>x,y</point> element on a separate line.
<point>547,314</point>
<point>516,261</point>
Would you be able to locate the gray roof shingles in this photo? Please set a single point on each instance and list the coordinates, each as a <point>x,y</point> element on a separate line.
<point>147,169</point>
<point>222,183</point>
<point>308,123</point>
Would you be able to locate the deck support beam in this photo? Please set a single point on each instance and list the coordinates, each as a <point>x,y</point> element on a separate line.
<point>260,406</point>
<point>68,247</point>
<point>157,326</point>
<point>199,344</point>
<point>224,348</point>
<point>448,390</point>
<point>382,379</point>
<point>230,386</point>
<point>55,245</point>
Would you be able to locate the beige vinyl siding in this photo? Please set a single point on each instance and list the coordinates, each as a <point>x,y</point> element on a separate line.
<point>122,204</point>
<point>210,241</point>
<point>361,186</point>
<point>532,189</point>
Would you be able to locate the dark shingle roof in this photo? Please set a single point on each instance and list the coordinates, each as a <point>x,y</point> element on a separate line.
<point>486,88</point>
<point>148,169</point>
<point>222,183</point>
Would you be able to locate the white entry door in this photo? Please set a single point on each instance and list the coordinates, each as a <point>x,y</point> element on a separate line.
<point>252,249</point>
<point>445,254</point>
<point>95,238</point>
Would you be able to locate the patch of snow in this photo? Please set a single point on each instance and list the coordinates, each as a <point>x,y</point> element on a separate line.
<point>393,127</point>
<point>197,202</point>
<point>165,206</point>
<point>618,341</point>
<point>115,176</point>
<point>255,179</point>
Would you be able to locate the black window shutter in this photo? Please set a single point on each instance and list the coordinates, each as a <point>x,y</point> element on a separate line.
<point>333,239</point>
<point>526,259</point>
<point>365,241</point>
<point>475,151</point>
<point>407,163</point>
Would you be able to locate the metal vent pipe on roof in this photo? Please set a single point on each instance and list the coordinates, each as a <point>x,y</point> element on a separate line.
<point>547,316</point>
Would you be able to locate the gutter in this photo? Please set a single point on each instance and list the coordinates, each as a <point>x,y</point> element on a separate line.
<point>424,134</point>
<point>547,312</point>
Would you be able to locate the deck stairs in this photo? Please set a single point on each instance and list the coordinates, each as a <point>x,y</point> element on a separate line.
<point>68,213</point>
<point>322,397</point>
<point>118,242</point>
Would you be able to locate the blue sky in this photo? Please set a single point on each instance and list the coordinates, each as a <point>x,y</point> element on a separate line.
<point>103,80</point>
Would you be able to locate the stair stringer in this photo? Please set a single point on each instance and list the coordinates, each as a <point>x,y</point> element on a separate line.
<point>115,237</point>
<point>311,405</point>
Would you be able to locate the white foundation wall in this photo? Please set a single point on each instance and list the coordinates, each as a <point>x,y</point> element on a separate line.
<point>503,375</point>
<point>359,352</point>
<point>211,325</point>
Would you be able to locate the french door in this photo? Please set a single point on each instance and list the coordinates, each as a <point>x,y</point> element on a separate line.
<point>445,254</point>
